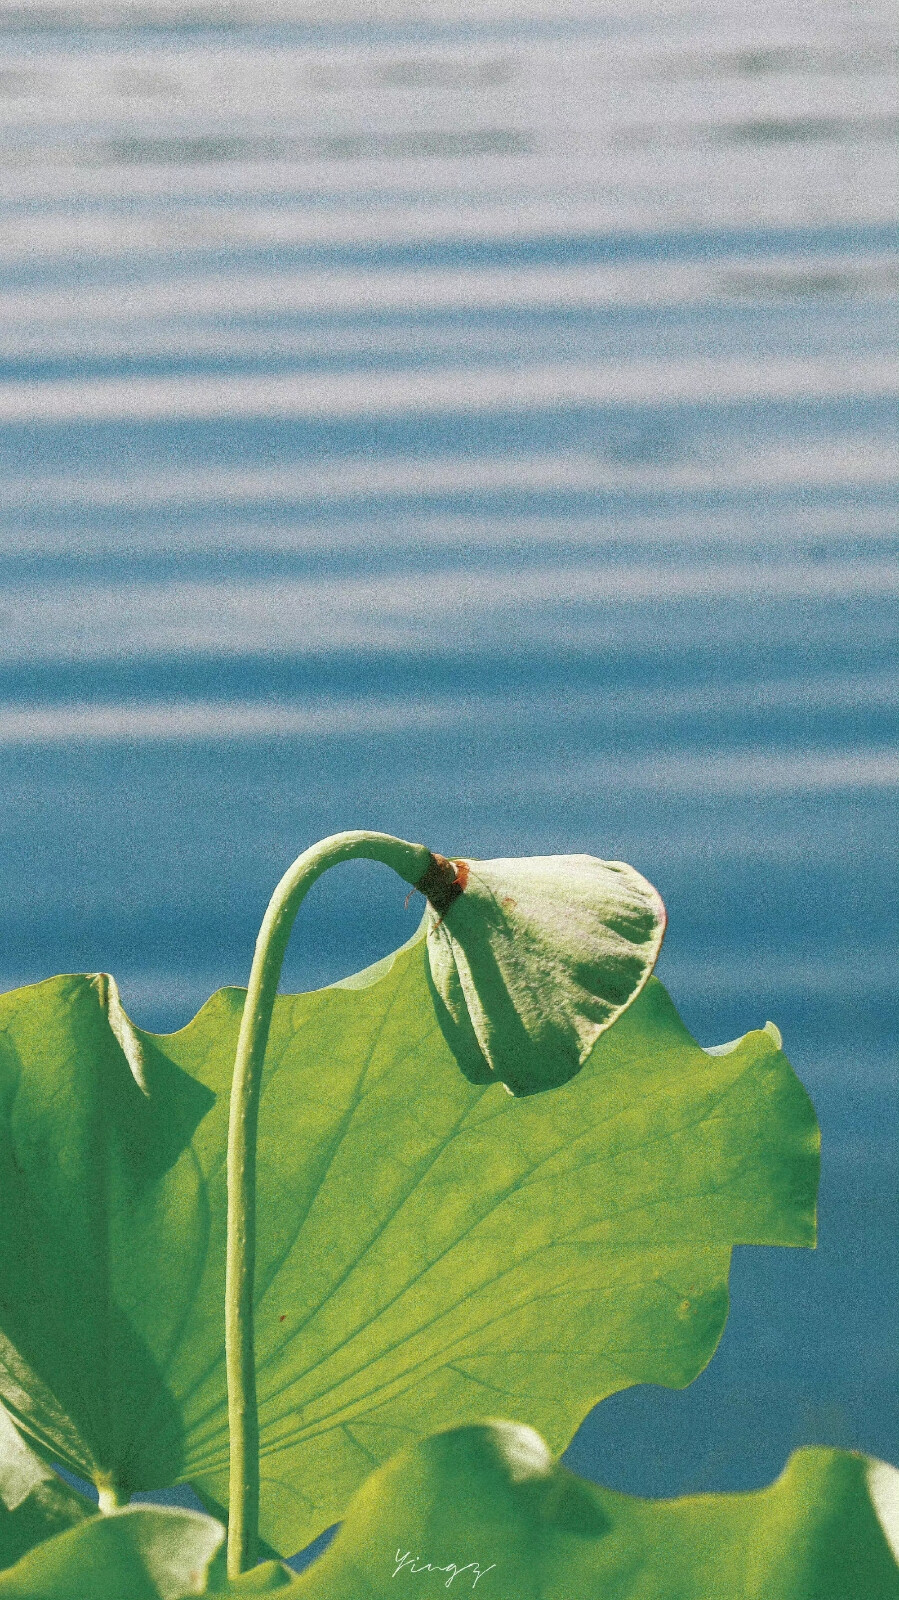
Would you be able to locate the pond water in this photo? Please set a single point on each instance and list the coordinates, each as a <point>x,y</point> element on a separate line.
<point>477,422</point>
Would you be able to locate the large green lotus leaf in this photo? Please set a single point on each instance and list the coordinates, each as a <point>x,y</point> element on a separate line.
<point>34,1502</point>
<point>139,1553</point>
<point>486,1508</point>
<point>431,1250</point>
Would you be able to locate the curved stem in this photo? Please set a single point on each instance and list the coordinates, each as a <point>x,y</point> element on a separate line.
<point>411,862</point>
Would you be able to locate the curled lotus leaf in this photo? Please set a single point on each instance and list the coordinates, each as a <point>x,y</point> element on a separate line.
<point>533,959</point>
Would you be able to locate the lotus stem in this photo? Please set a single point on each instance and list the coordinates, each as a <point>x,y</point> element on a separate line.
<point>411,862</point>
<point>110,1495</point>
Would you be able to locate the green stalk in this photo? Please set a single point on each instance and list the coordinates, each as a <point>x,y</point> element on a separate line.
<point>111,1496</point>
<point>412,862</point>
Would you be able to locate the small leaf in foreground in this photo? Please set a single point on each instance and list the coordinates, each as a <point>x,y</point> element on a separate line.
<point>138,1553</point>
<point>487,1508</point>
<point>264,1579</point>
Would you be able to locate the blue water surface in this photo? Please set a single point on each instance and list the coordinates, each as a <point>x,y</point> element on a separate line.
<point>483,430</point>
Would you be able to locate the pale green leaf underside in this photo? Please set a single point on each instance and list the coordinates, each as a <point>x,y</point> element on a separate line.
<point>491,1498</point>
<point>536,958</point>
<point>141,1553</point>
<point>431,1251</point>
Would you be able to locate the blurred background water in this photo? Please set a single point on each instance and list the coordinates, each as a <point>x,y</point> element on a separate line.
<point>476,421</point>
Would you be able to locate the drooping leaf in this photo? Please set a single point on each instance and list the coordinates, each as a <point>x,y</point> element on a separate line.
<point>139,1553</point>
<point>430,1251</point>
<point>35,1504</point>
<point>486,1508</point>
<point>533,959</point>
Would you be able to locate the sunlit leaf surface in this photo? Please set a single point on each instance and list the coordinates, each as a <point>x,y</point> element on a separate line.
<point>140,1553</point>
<point>269,1575</point>
<point>486,1508</point>
<point>431,1251</point>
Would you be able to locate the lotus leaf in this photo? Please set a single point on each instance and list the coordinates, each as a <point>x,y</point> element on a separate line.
<point>430,1250</point>
<point>138,1553</point>
<point>486,1508</point>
